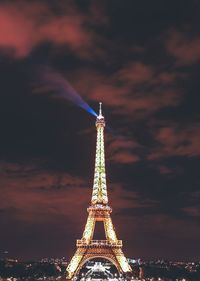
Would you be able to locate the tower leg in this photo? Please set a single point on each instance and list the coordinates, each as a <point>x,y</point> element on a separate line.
<point>74,264</point>
<point>109,230</point>
<point>124,265</point>
<point>89,228</point>
<point>111,236</point>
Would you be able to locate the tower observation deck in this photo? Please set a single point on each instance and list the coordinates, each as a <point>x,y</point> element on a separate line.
<point>99,210</point>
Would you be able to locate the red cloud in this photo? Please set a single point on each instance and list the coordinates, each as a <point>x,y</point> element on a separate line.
<point>17,31</point>
<point>177,142</point>
<point>136,72</point>
<point>164,169</point>
<point>24,26</point>
<point>122,143</point>
<point>141,93</point>
<point>124,157</point>
<point>121,150</point>
<point>192,211</point>
<point>186,49</point>
<point>36,200</point>
<point>41,196</point>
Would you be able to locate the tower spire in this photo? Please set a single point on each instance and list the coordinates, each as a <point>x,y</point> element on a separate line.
<point>100,108</point>
<point>99,192</point>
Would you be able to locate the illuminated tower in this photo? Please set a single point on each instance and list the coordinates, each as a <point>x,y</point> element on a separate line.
<point>99,210</point>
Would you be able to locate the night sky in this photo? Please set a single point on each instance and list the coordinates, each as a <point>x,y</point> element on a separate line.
<point>142,60</point>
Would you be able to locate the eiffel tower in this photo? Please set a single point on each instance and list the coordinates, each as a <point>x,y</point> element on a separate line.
<point>99,210</point>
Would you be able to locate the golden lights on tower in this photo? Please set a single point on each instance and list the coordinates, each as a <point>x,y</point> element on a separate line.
<point>111,248</point>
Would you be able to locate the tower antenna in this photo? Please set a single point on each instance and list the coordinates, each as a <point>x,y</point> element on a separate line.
<point>100,108</point>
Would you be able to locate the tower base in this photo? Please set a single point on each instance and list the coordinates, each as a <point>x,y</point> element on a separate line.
<point>98,249</point>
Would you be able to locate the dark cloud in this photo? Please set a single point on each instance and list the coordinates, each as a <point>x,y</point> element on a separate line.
<point>121,150</point>
<point>142,61</point>
<point>184,47</point>
<point>134,89</point>
<point>177,141</point>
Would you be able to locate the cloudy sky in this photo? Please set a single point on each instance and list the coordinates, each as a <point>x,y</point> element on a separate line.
<point>142,60</point>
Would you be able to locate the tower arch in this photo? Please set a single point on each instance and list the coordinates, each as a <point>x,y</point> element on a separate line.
<point>112,260</point>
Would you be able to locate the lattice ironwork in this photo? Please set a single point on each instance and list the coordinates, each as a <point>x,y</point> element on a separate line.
<point>87,248</point>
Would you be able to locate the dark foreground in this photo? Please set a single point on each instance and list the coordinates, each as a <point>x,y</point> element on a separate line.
<point>55,270</point>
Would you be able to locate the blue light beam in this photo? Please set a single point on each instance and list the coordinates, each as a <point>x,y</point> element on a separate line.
<point>56,82</point>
